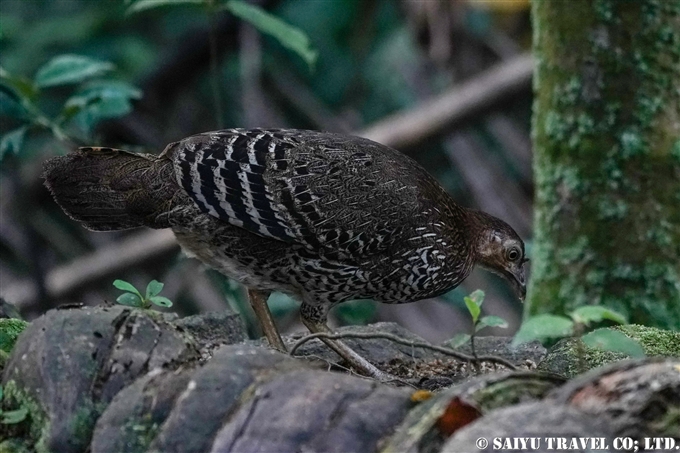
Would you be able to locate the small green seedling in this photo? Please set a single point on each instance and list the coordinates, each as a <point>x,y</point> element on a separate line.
<point>473,302</point>
<point>11,417</point>
<point>544,327</point>
<point>133,298</point>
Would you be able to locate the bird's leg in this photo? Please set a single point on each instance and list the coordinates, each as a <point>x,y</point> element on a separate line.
<point>258,300</point>
<point>314,318</point>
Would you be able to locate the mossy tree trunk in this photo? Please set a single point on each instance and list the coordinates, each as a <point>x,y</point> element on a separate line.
<point>607,158</point>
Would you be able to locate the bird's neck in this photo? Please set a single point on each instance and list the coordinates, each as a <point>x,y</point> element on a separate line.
<point>477,223</point>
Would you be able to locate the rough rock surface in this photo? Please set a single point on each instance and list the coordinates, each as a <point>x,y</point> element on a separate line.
<point>105,380</point>
<point>73,362</point>
<point>425,428</point>
<point>243,400</point>
<point>536,420</point>
<point>641,398</point>
<point>214,329</point>
<point>315,411</point>
<point>135,414</point>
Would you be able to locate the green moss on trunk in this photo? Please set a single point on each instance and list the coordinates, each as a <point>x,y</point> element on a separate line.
<point>607,158</point>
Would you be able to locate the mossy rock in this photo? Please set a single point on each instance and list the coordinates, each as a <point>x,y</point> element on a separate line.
<point>563,358</point>
<point>9,332</point>
<point>13,446</point>
<point>71,363</point>
<point>27,434</point>
<point>10,329</point>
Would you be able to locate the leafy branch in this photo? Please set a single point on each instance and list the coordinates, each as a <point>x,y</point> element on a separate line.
<point>287,35</point>
<point>92,100</point>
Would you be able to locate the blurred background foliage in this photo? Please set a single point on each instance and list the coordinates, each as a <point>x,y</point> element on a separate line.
<point>119,74</point>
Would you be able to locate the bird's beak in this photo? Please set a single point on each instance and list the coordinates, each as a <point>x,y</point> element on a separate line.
<point>517,279</point>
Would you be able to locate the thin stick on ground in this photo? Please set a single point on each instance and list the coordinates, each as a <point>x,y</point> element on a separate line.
<point>352,372</point>
<point>399,340</point>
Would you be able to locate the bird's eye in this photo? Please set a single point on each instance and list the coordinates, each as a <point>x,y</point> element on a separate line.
<point>513,254</point>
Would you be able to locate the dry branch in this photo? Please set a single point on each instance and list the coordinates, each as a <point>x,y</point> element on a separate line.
<point>405,342</point>
<point>300,96</point>
<point>454,106</point>
<point>105,262</point>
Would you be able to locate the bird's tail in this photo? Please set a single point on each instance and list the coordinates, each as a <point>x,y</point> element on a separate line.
<point>109,189</point>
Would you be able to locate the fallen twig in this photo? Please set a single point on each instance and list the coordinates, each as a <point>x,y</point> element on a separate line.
<point>105,262</point>
<point>399,340</point>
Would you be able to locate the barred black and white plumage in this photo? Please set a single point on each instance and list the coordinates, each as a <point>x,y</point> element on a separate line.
<point>325,217</point>
<point>317,189</point>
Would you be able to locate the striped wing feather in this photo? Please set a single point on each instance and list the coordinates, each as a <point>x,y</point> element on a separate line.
<point>320,190</point>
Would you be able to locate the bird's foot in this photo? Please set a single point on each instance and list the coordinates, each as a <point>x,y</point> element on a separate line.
<point>258,300</point>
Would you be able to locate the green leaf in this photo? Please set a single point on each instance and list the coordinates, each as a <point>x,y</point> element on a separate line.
<point>459,340</point>
<point>153,288</point>
<point>23,86</point>
<point>613,340</point>
<point>65,69</point>
<point>125,286</point>
<point>113,88</point>
<point>11,103</point>
<point>88,117</point>
<point>143,5</point>
<point>161,301</point>
<point>541,327</point>
<point>99,100</point>
<point>103,89</point>
<point>129,299</point>
<point>11,142</point>
<point>473,308</point>
<point>595,313</point>
<point>70,109</point>
<point>491,321</point>
<point>289,36</point>
<point>478,296</point>
<point>14,417</point>
<point>1,394</point>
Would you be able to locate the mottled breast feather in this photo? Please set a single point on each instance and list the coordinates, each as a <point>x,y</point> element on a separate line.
<point>311,188</point>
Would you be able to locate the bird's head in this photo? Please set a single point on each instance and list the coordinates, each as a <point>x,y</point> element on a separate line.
<point>500,250</point>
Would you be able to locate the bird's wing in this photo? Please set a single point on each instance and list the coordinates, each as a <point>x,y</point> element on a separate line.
<point>321,190</point>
